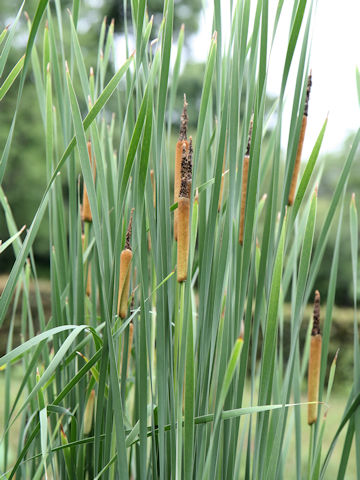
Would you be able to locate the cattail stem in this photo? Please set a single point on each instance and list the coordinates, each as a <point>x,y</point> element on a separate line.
<point>245,173</point>
<point>300,145</point>
<point>314,362</point>
<point>130,342</point>
<point>131,336</point>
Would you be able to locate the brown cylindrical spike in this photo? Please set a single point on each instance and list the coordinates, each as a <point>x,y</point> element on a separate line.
<point>300,144</point>
<point>183,238</point>
<point>314,362</point>
<point>86,211</point>
<point>124,276</point>
<point>178,158</point>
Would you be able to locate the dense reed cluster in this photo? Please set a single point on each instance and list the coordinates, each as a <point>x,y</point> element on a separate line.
<point>167,352</point>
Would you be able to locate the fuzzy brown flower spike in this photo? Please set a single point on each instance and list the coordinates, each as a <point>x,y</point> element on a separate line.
<point>184,212</point>
<point>300,144</point>
<point>86,212</point>
<point>244,183</point>
<point>314,362</point>
<point>316,315</point>
<point>183,122</point>
<point>178,159</point>
<point>306,107</point>
<point>129,231</point>
<point>124,276</point>
<point>250,135</point>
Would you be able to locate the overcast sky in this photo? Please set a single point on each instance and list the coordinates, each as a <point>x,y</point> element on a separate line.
<point>334,56</point>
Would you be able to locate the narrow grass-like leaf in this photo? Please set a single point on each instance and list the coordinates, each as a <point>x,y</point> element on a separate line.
<point>10,79</point>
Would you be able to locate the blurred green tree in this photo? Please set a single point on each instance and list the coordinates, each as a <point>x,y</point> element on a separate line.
<point>25,177</point>
<point>185,11</point>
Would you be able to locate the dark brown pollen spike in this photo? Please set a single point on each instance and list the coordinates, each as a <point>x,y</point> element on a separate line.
<point>306,107</point>
<point>183,122</point>
<point>250,135</point>
<point>184,188</point>
<point>189,158</point>
<point>129,230</point>
<point>316,315</point>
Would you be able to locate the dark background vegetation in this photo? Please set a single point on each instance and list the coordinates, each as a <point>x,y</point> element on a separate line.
<point>24,181</point>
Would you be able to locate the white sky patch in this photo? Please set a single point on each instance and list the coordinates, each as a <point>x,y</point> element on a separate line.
<point>333,60</point>
<point>335,53</point>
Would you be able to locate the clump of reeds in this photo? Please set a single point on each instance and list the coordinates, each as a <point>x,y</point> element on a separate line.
<point>178,159</point>
<point>86,211</point>
<point>245,173</point>
<point>124,276</point>
<point>300,144</point>
<point>314,362</point>
<point>184,212</point>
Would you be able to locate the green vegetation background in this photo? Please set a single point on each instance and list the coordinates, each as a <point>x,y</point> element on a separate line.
<point>25,175</point>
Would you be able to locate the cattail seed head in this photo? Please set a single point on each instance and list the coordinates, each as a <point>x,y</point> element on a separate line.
<point>178,159</point>
<point>124,275</point>
<point>244,182</point>
<point>314,362</point>
<point>129,231</point>
<point>308,89</point>
<point>250,135</point>
<point>300,144</point>
<point>86,211</point>
<point>184,213</point>
<point>183,122</point>
<point>183,238</point>
<point>316,315</point>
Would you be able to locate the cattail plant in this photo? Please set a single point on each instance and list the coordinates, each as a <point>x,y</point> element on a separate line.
<point>178,394</point>
<point>300,144</point>
<point>314,362</point>
<point>184,213</point>
<point>245,173</point>
<point>178,159</point>
<point>124,276</point>
<point>86,211</point>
